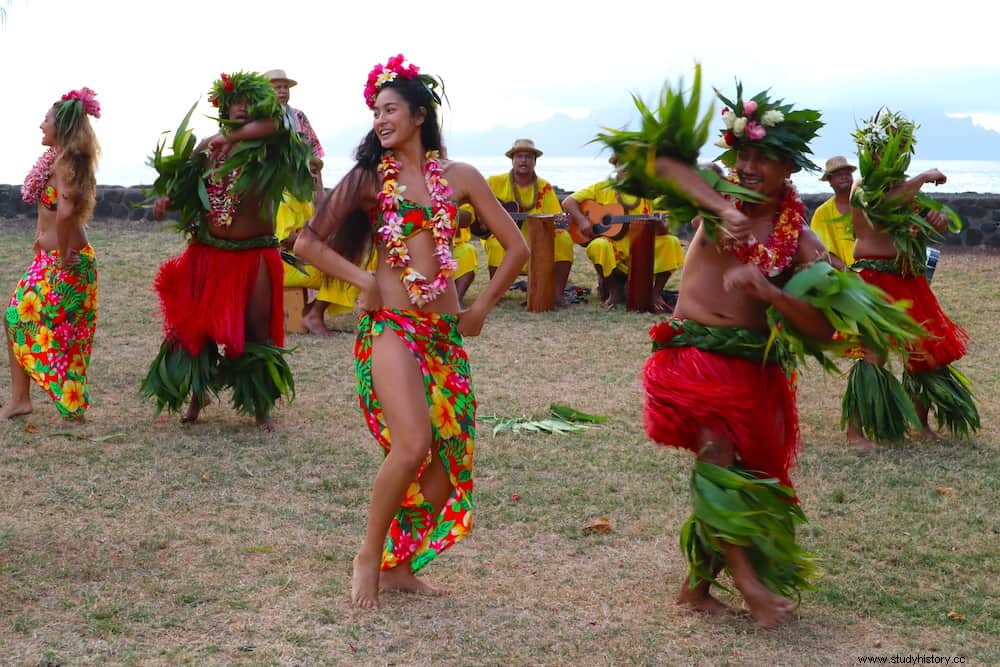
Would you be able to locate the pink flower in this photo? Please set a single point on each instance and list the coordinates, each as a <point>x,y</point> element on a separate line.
<point>755,131</point>
<point>749,107</point>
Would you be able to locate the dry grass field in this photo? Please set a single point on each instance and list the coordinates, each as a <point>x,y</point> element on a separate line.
<point>138,541</point>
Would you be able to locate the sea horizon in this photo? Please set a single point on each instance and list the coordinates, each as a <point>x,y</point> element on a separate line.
<point>570,173</point>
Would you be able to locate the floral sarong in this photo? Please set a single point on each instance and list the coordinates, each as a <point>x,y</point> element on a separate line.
<point>51,320</point>
<point>416,534</point>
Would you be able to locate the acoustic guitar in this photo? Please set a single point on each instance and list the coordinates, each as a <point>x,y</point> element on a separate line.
<point>610,221</point>
<point>560,220</point>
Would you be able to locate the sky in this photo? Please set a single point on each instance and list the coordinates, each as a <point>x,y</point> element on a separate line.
<point>504,64</point>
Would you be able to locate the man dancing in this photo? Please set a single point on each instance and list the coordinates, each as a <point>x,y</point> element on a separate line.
<point>223,293</point>
<point>894,223</point>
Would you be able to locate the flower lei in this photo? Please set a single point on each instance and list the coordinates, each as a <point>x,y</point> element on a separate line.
<point>383,74</point>
<point>34,182</point>
<point>222,201</point>
<point>419,289</point>
<point>777,252</point>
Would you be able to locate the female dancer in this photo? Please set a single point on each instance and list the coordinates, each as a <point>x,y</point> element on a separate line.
<point>413,374</point>
<point>52,314</point>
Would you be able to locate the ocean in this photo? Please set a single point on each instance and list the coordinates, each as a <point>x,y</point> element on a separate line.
<point>573,173</point>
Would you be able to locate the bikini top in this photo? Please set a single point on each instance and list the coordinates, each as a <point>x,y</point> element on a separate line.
<point>49,198</point>
<point>416,218</point>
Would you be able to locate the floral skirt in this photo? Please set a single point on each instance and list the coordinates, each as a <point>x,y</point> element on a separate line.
<point>51,320</point>
<point>415,533</point>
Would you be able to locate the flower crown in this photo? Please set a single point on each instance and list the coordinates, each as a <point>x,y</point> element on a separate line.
<point>770,125</point>
<point>394,69</point>
<point>875,133</point>
<point>74,104</point>
<point>262,102</point>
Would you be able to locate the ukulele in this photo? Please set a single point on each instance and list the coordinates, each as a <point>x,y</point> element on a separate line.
<point>609,221</point>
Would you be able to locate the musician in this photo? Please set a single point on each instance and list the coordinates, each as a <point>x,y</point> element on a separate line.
<point>611,256</point>
<point>522,191</point>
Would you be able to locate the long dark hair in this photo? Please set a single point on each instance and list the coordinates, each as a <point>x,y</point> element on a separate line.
<point>353,237</point>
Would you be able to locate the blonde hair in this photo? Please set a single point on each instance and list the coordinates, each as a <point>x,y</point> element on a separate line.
<point>77,163</point>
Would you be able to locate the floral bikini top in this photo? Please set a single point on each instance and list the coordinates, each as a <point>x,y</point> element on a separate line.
<point>416,218</point>
<point>49,198</point>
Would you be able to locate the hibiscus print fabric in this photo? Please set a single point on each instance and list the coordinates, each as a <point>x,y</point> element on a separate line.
<point>50,327</point>
<point>415,533</point>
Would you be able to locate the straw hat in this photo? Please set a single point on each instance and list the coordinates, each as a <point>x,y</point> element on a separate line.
<point>835,163</point>
<point>279,75</point>
<point>523,145</point>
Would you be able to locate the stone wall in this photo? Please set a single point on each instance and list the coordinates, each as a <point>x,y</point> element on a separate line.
<point>981,212</point>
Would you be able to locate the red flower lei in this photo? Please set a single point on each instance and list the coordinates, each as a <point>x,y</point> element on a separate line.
<point>34,182</point>
<point>419,288</point>
<point>776,254</point>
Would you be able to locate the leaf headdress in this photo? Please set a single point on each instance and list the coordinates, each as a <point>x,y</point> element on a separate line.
<point>771,125</point>
<point>674,128</point>
<point>886,144</point>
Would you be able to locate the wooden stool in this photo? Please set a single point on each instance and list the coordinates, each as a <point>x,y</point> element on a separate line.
<point>295,303</point>
<point>642,242</point>
<point>541,240</point>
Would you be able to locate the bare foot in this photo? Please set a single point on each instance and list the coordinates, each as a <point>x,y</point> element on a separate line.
<point>927,435</point>
<point>364,582</point>
<point>767,608</point>
<point>314,324</point>
<point>194,409</point>
<point>699,599</point>
<point>862,444</point>
<point>265,424</point>
<point>402,579</point>
<point>14,408</point>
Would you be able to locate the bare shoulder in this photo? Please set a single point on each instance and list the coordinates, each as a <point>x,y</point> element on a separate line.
<point>463,178</point>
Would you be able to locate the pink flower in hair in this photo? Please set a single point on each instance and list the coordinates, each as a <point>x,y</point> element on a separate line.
<point>749,107</point>
<point>383,74</point>
<point>87,97</point>
<point>755,131</point>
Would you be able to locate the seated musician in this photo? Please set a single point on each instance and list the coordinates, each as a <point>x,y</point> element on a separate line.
<point>611,255</point>
<point>522,191</point>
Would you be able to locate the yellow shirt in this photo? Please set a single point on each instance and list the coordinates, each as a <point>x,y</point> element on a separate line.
<point>545,201</point>
<point>603,194</point>
<point>835,230</point>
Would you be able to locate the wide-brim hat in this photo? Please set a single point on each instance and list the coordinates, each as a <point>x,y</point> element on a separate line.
<point>835,163</point>
<point>525,145</point>
<point>279,75</point>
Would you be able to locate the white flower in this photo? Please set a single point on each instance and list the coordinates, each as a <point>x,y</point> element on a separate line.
<point>721,143</point>
<point>739,125</point>
<point>728,119</point>
<point>386,76</point>
<point>772,118</point>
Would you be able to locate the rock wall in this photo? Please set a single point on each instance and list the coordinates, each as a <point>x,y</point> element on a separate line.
<point>981,212</point>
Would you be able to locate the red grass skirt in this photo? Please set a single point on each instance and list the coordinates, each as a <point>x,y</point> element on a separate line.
<point>204,294</point>
<point>693,396</point>
<point>947,341</point>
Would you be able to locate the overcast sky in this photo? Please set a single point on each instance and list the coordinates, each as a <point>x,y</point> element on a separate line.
<point>504,64</point>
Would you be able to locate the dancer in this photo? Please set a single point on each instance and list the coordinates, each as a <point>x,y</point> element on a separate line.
<point>894,223</point>
<point>224,290</point>
<point>413,374</point>
<point>52,314</point>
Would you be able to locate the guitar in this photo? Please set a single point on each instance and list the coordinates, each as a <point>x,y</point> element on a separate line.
<point>560,220</point>
<point>609,220</point>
